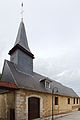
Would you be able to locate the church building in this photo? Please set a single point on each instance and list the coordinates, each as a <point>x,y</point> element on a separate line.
<point>26,95</point>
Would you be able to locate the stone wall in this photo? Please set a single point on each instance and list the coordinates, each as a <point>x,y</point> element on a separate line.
<point>64,107</point>
<point>3,111</point>
<point>6,103</point>
<point>18,100</point>
<point>21,104</point>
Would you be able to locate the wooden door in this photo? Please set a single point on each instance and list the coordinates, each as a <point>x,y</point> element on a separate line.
<point>33,108</point>
<point>12,114</point>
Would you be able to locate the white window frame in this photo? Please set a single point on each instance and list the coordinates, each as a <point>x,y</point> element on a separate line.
<point>46,84</point>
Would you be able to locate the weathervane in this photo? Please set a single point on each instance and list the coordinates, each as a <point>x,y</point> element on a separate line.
<point>22,11</point>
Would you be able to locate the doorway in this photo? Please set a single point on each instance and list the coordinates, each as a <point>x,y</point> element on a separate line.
<point>12,114</point>
<point>33,108</point>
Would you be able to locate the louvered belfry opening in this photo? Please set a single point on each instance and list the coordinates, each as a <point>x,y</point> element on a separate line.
<point>33,108</point>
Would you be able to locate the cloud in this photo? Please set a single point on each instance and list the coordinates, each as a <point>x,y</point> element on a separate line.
<point>65,71</point>
<point>61,74</point>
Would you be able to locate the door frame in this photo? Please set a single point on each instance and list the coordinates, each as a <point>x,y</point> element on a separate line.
<point>41,104</point>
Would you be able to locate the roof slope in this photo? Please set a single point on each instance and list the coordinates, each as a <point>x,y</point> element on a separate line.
<point>21,41</point>
<point>22,38</point>
<point>32,82</point>
<point>7,74</point>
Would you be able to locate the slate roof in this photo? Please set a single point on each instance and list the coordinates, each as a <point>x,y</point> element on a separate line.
<point>21,41</point>
<point>22,38</point>
<point>32,82</point>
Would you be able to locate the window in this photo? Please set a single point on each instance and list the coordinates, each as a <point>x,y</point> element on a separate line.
<point>74,100</point>
<point>77,100</point>
<point>56,100</point>
<point>47,85</point>
<point>45,82</point>
<point>68,100</point>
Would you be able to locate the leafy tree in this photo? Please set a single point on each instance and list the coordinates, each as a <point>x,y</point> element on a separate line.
<point>0,76</point>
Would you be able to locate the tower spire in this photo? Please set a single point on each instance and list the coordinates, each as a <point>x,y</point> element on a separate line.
<point>20,54</point>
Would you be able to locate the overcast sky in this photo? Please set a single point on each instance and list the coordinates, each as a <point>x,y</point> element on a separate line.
<point>53,32</point>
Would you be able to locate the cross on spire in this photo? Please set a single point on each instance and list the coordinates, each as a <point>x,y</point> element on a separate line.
<point>22,11</point>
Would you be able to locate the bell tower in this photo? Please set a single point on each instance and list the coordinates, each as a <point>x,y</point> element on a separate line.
<point>20,54</point>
